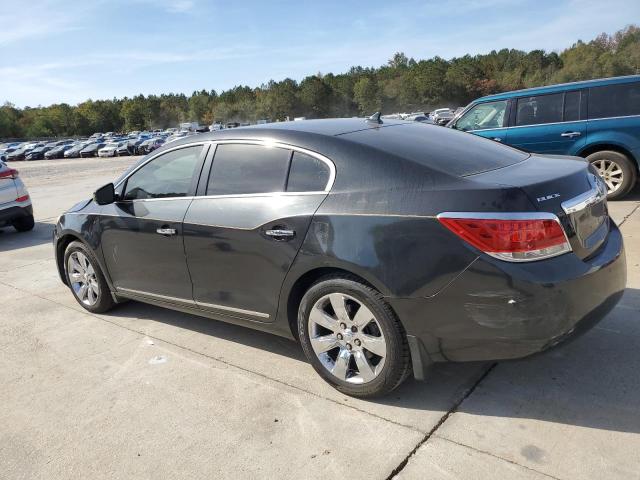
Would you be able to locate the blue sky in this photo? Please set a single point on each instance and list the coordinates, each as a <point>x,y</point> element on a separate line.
<point>70,50</point>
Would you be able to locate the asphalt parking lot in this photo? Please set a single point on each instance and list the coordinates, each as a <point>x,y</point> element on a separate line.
<point>144,392</point>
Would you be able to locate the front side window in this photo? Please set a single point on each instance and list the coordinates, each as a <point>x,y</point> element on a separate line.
<point>168,175</point>
<point>614,100</point>
<point>242,169</point>
<point>539,109</point>
<point>307,174</point>
<point>483,117</point>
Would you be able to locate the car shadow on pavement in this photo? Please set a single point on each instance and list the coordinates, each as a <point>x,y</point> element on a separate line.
<point>591,382</point>
<point>10,239</point>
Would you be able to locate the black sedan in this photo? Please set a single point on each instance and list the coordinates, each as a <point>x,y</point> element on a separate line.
<point>91,150</point>
<point>37,153</point>
<point>382,247</point>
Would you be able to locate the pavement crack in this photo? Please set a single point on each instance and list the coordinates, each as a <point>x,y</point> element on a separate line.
<point>629,215</point>
<point>444,418</point>
<point>496,456</point>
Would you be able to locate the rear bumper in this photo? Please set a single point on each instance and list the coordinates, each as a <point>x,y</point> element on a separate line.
<point>498,310</point>
<point>14,212</point>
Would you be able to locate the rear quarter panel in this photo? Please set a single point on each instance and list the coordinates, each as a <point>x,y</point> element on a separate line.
<point>623,132</point>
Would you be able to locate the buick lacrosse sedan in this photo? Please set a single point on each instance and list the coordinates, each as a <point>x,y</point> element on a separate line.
<point>382,246</point>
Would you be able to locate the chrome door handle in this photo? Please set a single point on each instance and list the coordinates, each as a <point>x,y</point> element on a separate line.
<point>166,231</point>
<point>570,134</point>
<point>280,234</point>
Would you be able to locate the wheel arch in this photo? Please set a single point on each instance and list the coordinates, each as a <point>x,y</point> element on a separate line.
<point>61,245</point>
<point>599,147</point>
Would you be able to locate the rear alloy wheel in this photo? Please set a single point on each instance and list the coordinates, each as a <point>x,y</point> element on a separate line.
<point>352,337</point>
<point>85,279</point>
<point>617,172</point>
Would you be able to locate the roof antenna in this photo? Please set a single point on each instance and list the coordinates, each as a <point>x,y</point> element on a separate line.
<point>375,118</point>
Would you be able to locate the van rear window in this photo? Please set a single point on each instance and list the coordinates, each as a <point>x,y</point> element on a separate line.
<point>614,100</point>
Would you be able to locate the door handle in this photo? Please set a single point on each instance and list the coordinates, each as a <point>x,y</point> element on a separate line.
<point>496,139</point>
<point>167,232</point>
<point>570,134</point>
<point>280,234</point>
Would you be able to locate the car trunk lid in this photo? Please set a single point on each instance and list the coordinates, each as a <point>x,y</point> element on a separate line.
<point>567,187</point>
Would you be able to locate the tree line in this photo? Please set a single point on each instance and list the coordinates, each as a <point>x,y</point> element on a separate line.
<point>402,85</point>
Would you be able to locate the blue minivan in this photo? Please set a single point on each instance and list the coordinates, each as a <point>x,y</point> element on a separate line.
<point>596,119</point>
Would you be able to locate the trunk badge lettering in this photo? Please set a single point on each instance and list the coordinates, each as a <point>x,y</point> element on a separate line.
<point>548,197</point>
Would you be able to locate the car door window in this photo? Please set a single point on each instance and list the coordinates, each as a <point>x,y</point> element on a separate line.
<point>539,109</point>
<point>614,100</point>
<point>307,174</point>
<point>168,175</point>
<point>483,116</point>
<point>242,169</point>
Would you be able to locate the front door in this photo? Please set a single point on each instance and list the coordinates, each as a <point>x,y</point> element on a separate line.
<point>242,236</point>
<point>141,233</point>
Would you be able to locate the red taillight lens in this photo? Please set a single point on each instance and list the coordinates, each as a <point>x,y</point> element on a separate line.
<point>516,239</point>
<point>23,198</point>
<point>11,173</point>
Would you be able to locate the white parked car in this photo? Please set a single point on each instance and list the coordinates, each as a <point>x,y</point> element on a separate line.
<point>15,204</point>
<point>109,150</point>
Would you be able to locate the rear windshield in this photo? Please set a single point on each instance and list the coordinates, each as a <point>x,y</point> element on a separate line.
<point>440,148</point>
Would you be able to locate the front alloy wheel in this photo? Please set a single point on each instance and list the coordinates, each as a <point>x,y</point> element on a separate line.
<point>83,279</point>
<point>347,338</point>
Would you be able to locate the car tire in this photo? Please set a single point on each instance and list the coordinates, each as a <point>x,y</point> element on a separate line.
<point>24,224</point>
<point>86,280</point>
<point>617,170</point>
<point>371,356</point>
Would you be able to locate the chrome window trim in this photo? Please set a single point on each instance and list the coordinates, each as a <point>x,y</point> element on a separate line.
<point>268,143</point>
<point>191,303</point>
<point>554,123</point>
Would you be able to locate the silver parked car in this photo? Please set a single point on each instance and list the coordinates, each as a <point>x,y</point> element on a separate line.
<point>15,203</point>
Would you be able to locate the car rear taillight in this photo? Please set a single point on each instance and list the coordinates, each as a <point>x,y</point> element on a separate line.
<point>23,198</point>
<point>514,237</point>
<point>11,173</point>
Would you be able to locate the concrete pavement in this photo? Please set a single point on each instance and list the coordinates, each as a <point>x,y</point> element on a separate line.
<point>145,392</point>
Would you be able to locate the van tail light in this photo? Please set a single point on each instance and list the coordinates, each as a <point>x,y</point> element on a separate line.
<point>11,173</point>
<point>513,237</point>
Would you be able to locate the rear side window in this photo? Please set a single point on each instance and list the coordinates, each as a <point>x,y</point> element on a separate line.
<point>307,174</point>
<point>539,109</point>
<point>240,169</point>
<point>614,100</point>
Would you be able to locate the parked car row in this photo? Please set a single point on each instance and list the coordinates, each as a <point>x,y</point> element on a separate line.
<point>439,116</point>
<point>97,145</point>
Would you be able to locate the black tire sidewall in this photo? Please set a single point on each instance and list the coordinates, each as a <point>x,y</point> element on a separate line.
<point>24,224</point>
<point>105,301</point>
<point>628,170</point>
<point>396,361</point>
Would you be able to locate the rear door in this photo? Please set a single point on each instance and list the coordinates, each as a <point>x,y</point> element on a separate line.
<point>486,119</point>
<point>548,123</point>
<point>243,232</point>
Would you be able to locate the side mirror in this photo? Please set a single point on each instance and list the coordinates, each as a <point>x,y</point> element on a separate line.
<point>105,195</point>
